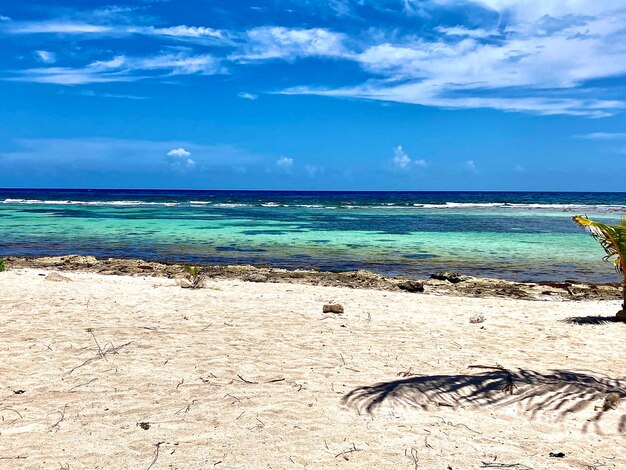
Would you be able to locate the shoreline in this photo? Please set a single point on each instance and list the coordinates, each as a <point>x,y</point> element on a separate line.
<point>438,283</point>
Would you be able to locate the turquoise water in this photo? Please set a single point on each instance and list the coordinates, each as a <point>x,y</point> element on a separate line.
<point>521,236</point>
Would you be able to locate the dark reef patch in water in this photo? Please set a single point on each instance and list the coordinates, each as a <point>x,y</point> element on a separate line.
<point>239,250</point>
<point>421,256</point>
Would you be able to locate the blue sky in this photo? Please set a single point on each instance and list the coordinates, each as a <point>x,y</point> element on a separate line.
<point>306,94</point>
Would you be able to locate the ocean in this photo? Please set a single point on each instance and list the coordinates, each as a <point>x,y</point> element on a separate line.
<point>524,236</point>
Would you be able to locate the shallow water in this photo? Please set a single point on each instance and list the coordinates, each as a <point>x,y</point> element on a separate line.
<point>521,236</point>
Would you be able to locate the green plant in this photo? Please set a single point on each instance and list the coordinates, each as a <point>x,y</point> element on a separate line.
<point>3,266</point>
<point>195,277</point>
<point>613,239</point>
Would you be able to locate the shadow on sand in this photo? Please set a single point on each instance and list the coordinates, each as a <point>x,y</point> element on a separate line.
<point>593,320</point>
<point>558,392</point>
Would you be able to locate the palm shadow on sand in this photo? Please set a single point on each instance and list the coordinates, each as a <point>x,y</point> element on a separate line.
<point>593,320</point>
<point>558,392</point>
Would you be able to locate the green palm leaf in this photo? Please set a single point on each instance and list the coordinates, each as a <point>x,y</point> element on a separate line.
<point>611,237</point>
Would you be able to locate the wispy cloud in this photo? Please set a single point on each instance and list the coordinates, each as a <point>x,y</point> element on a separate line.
<point>58,27</point>
<point>46,57</point>
<point>91,93</point>
<point>122,68</point>
<point>284,43</point>
<point>188,31</point>
<point>539,69</point>
<point>247,96</point>
<point>603,136</point>
<point>514,55</point>
<point>462,31</point>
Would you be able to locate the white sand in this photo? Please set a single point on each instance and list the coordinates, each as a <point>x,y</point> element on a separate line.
<point>189,351</point>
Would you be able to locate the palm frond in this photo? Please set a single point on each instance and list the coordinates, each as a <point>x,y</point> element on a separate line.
<point>612,238</point>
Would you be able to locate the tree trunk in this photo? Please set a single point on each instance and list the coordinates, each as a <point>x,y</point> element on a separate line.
<point>621,315</point>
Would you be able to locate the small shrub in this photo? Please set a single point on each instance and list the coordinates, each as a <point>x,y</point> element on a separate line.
<point>2,265</point>
<point>195,277</point>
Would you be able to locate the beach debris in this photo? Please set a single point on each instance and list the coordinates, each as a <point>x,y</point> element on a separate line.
<point>611,402</point>
<point>479,318</point>
<point>194,278</point>
<point>558,455</point>
<point>451,277</point>
<point>255,277</point>
<point>332,308</point>
<point>19,392</point>
<point>144,426</point>
<point>411,286</point>
<point>56,277</point>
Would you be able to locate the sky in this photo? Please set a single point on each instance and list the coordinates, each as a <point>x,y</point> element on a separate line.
<point>314,95</point>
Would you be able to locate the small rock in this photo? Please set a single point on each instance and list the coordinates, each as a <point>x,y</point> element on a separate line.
<point>333,308</point>
<point>411,286</point>
<point>454,278</point>
<point>477,319</point>
<point>621,315</point>
<point>56,277</point>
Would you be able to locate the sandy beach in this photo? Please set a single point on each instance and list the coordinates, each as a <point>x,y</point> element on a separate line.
<point>107,371</point>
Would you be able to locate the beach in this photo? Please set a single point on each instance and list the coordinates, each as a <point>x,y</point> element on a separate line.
<point>110,371</point>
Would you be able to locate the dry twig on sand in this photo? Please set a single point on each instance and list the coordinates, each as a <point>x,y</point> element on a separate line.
<point>412,454</point>
<point>61,419</point>
<point>345,453</point>
<point>156,455</point>
<point>516,466</point>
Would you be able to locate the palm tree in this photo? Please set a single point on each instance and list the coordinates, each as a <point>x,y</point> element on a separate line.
<point>613,240</point>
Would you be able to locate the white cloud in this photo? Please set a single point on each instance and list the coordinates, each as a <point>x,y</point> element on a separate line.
<point>400,158</point>
<point>179,159</point>
<point>284,43</point>
<point>247,96</point>
<point>4,18</point>
<point>537,63</point>
<point>284,163</point>
<point>534,56</point>
<point>519,169</point>
<point>187,32</point>
<point>603,136</point>
<point>46,57</point>
<point>58,27</point>
<point>470,165</point>
<point>402,161</point>
<point>179,152</point>
<point>470,33</point>
<point>532,10</point>
<point>122,68</point>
